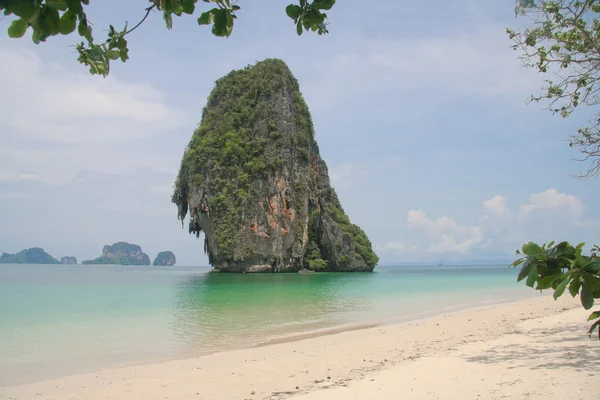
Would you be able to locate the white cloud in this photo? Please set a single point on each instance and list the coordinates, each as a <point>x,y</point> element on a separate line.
<point>548,215</point>
<point>453,238</point>
<point>67,106</point>
<point>397,248</point>
<point>479,62</point>
<point>449,244</point>
<point>551,201</point>
<point>496,205</point>
<point>57,122</point>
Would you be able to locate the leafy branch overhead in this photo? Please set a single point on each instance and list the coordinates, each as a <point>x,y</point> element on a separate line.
<point>562,41</point>
<point>561,267</point>
<point>48,18</point>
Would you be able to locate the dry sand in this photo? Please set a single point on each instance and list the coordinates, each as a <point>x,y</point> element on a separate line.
<point>531,349</point>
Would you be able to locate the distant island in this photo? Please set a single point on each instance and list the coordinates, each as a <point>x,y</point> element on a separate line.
<point>35,255</point>
<point>68,260</point>
<point>165,258</point>
<point>121,253</point>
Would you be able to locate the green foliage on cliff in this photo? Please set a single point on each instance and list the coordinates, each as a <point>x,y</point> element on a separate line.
<point>563,267</point>
<point>359,237</point>
<point>34,255</point>
<point>313,257</point>
<point>231,156</point>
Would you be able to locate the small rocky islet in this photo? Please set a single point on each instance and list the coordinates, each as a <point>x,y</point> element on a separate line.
<point>165,259</point>
<point>253,181</point>
<point>68,260</point>
<point>34,255</point>
<point>120,253</point>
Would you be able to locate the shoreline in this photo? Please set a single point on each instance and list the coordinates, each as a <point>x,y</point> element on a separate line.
<point>79,367</point>
<point>423,315</point>
<point>337,361</point>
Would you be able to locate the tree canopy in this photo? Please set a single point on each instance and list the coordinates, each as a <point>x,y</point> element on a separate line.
<point>48,18</point>
<point>563,266</point>
<point>563,42</point>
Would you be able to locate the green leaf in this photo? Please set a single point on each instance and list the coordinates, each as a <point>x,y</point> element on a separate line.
<point>532,277</point>
<point>59,5</point>
<point>82,28</point>
<point>223,23</point>
<point>168,19</point>
<point>313,17</point>
<point>323,4</point>
<point>587,299</point>
<point>560,289</point>
<point>518,262</point>
<point>592,282</point>
<point>88,35</point>
<point>68,21</point>
<point>547,281</point>
<point>594,315</point>
<point>114,54</point>
<point>25,9</point>
<point>293,11</point>
<point>51,19</point>
<point>299,28</point>
<point>593,266</point>
<point>188,6</point>
<point>524,272</point>
<point>531,249</point>
<point>206,18</point>
<point>17,28</point>
<point>593,328</point>
<point>575,286</point>
<point>75,6</point>
<point>124,54</point>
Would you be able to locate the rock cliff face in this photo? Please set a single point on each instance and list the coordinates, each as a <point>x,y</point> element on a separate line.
<point>35,255</point>
<point>68,260</point>
<point>253,181</point>
<point>121,253</point>
<point>165,258</point>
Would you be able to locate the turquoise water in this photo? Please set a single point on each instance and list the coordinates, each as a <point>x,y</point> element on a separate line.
<point>60,320</point>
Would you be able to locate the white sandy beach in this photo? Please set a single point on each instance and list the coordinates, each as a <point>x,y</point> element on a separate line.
<point>531,349</point>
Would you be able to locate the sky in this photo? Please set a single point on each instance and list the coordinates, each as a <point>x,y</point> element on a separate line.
<point>419,109</point>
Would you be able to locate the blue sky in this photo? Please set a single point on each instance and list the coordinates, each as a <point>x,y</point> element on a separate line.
<point>419,110</point>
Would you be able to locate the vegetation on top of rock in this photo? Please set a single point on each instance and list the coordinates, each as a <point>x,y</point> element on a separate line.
<point>68,260</point>
<point>165,258</point>
<point>252,176</point>
<point>121,253</point>
<point>35,255</point>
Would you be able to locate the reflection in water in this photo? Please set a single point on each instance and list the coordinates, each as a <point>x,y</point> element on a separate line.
<point>217,311</point>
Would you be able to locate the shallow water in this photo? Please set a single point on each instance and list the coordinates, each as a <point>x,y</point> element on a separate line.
<point>60,320</point>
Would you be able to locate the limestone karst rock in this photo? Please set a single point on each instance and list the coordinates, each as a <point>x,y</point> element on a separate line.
<point>165,258</point>
<point>253,181</point>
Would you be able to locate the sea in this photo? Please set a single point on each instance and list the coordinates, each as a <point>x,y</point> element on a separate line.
<point>58,320</point>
